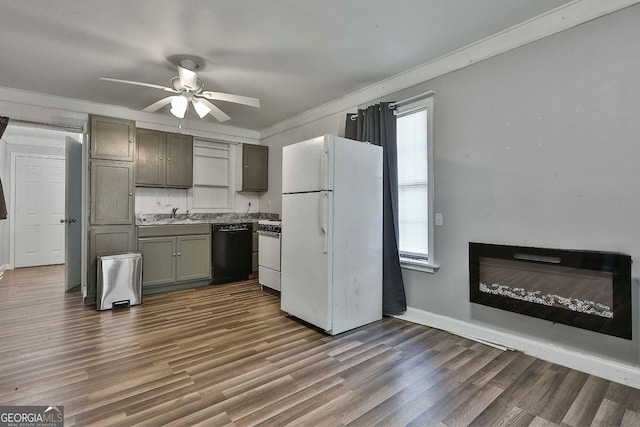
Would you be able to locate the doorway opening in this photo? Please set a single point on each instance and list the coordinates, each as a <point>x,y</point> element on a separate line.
<point>43,169</point>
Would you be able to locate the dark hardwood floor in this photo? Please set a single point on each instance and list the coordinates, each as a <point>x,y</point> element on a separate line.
<point>227,355</point>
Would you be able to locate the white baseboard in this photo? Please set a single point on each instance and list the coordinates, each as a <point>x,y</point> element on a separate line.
<point>3,267</point>
<point>598,366</point>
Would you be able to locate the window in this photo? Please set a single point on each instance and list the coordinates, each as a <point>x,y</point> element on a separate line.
<point>415,184</point>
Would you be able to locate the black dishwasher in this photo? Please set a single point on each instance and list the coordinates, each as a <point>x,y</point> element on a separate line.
<point>231,252</point>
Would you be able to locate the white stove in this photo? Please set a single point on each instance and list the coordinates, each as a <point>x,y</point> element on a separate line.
<point>269,253</point>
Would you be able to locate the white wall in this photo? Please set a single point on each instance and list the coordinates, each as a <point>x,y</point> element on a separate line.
<point>537,146</point>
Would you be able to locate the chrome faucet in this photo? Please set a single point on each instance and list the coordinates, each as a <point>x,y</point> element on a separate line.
<point>173,212</point>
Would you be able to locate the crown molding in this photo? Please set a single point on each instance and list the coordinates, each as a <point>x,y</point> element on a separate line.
<point>562,18</point>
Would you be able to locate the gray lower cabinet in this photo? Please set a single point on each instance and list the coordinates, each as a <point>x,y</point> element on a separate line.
<point>193,260</point>
<point>112,199</point>
<point>158,260</point>
<point>174,254</point>
<point>105,240</point>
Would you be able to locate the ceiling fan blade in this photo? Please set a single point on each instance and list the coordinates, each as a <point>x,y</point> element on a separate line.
<point>215,111</point>
<point>158,104</point>
<point>129,82</point>
<point>188,78</point>
<point>238,99</point>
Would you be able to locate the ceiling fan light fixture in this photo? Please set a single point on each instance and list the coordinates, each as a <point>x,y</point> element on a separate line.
<point>179,106</point>
<point>200,108</point>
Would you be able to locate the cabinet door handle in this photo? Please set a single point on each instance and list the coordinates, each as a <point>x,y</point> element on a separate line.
<point>160,157</point>
<point>178,253</point>
<point>130,194</point>
<point>174,254</point>
<point>168,159</point>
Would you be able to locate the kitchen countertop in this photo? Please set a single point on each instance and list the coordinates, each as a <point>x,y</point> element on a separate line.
<point>180,219</point>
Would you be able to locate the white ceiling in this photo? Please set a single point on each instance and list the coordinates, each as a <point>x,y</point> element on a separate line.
<point>292,54</point>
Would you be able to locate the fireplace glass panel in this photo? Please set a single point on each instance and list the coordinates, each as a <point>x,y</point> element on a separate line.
<point>586,289</point>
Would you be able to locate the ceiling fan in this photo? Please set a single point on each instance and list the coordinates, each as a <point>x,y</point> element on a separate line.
<point>186,87</point>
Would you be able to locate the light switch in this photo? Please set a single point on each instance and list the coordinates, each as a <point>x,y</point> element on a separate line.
<point>439,219</point>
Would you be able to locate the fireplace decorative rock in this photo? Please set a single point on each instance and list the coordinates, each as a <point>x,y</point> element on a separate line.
<point>585,289</point>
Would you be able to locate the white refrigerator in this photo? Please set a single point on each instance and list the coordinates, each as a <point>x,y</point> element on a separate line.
<point>331,264</point>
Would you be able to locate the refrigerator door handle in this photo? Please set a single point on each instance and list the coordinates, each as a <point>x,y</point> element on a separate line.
<point>324,216</point>
<point>324,163</point>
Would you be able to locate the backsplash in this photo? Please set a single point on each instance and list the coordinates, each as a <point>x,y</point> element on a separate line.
<point>157,201</point>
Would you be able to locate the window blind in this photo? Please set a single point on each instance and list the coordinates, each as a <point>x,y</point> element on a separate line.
<point>413,185</point>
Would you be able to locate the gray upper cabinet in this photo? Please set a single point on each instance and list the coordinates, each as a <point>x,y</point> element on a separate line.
<point>164,159</point>
<point>112,139</point>
<point>150,158</point>
<point>255,162</point>
<point>112,200</point>
<point>179,161</point>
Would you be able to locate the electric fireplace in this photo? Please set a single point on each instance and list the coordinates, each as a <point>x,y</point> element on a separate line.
<point>584,289</point>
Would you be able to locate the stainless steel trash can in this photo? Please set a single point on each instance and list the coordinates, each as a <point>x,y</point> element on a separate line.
<point>119,280</point>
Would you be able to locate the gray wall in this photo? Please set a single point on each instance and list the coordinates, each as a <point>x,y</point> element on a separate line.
<point>539,146</point>
<point>271,201</point>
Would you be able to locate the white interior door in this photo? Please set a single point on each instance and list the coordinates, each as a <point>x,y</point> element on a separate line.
<point>73,213</point>
<point>39,210</point>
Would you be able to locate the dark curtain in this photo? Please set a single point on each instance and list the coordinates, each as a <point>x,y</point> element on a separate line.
<point>3,205</point>
<point>377,125</point>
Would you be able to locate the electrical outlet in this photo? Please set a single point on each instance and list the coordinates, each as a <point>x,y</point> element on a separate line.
<point>439,219</point>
